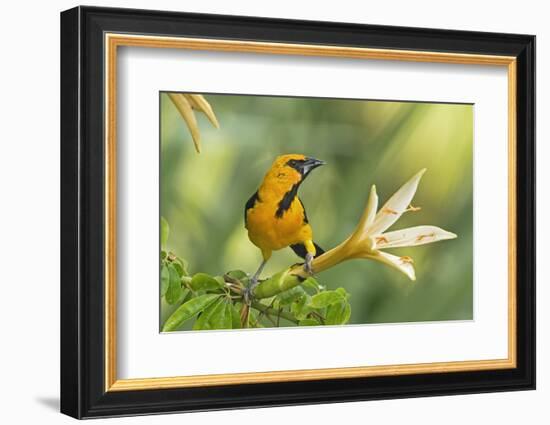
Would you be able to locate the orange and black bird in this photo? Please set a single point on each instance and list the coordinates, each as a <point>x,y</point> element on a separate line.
<point>275,216</point>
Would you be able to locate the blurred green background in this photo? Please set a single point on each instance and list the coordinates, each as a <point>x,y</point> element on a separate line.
<point>364,143</point>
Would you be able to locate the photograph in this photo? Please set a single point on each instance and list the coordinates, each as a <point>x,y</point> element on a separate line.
<point>306,211</point>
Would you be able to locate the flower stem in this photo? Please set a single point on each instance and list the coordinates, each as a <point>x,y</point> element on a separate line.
<point>295,275</point>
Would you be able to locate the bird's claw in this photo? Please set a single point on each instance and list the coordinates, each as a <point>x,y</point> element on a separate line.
<point>307,265</point>
<point>247,295</point>
<point>248,291</point>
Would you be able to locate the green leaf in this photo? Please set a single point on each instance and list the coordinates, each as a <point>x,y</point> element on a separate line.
<point>204,282</point>
<point>287,297</point>
<point>164,231</point>
<point>347,314</point>
<point>216,316</point>
<point>338,314</point>
<point>202,320</point>
<point>311,283</point>
<point>238,274</point>
<point>174,291</point>
<point>178,268</point>
<point>308,322</point>
<point>343,292</point>
<point>185,294</point>
<point>253,319</point>
<point>162,255</point>
<point>235,317</point>
<point>220,280</point>
<point>188,310</point>
<point>326,298</point>
<point>164,280</point>
<point>222,317</point>
<point>182,264</point>
<point>300,308</point>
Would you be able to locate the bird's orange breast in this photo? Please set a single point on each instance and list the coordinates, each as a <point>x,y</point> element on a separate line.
<point>269,232</point>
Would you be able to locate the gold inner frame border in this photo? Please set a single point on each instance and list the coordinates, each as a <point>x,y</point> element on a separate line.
<point>113,41</point>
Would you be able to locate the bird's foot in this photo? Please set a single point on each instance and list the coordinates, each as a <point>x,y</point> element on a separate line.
<point>307,265</point>
<point>247,295</point>
<point>248,291</point>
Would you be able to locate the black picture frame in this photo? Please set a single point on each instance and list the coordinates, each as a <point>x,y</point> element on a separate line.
<point>83,392</point>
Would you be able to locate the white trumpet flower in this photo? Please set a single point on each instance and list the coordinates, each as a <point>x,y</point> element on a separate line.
<point>370,237</point>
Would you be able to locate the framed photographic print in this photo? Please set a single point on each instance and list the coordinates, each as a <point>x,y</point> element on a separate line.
<point>261,212</point>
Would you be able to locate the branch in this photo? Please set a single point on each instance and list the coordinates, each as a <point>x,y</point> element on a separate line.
<point>294,276</point>
<point>269,310</point>
<point>367,241</point>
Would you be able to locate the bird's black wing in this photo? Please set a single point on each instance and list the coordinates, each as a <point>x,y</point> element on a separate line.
<point>286,202</point>
<point>250,204</point>
<point>300,250</point>
<point>304,208</point>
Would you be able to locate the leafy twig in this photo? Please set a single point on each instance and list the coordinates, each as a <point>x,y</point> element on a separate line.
<point>265,309</point>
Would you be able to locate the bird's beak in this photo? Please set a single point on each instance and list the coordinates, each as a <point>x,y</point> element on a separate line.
<point>311,163</point>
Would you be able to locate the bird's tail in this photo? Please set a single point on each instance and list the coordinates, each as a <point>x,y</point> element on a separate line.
<point>300,250</point>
